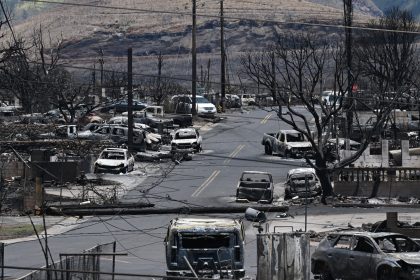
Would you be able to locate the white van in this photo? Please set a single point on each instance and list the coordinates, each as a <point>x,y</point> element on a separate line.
<point>183,104</point>
<point>248,99</point>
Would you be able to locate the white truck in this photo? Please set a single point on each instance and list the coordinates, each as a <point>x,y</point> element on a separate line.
<point>288,143</point>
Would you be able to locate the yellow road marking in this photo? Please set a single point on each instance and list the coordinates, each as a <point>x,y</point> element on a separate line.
<point>266,118</point>
<point>234,154</point>
<point>206,183</point>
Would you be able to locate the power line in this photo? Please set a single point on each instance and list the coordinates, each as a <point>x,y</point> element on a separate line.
<point>340,26</point>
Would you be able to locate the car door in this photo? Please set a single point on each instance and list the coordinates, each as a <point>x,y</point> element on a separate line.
<point>281,147</point>
<point>360,259</point>
<point>337,257</point>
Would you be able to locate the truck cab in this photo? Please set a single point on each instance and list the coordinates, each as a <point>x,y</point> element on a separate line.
<point>209,246</point>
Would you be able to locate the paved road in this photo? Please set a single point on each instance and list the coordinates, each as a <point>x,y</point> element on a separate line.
<point>230,147</point>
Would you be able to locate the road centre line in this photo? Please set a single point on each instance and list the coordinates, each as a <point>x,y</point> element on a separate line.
<point>264,121</point>
<point>233,154</point>
<point>206,183</point>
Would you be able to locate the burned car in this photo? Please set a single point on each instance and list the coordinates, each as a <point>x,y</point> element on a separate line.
<point>301,182</point>
<point>114,160</point>
<point>255,186</point>
<point>366,255</point>
<point>187,139</point>
<point>211,247</point>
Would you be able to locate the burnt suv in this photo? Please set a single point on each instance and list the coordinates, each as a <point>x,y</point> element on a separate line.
<point>366,255</point>
<point>211,247</point>
<point>301,182</point>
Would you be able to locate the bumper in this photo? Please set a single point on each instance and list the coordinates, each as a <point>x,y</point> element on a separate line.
<point>206,113</point>
<point>309,193</point>
<point>105,169</point>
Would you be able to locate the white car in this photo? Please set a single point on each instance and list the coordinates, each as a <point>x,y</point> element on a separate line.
<point>183,104</point>
<point>186,138</point>
<point>114,160</point>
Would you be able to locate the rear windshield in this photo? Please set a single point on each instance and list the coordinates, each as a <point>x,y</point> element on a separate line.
<point>297,178</point>
<point>255,177</point>
<point>202,241</point>
<point>112,155</point>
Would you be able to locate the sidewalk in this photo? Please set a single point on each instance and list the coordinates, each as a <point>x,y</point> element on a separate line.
<point>334,222</point>
<point>55,226</point>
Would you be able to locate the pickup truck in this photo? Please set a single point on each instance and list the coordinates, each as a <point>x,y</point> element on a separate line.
<point>288,143</point>
<point>153,115</point>
<point>255,186</point>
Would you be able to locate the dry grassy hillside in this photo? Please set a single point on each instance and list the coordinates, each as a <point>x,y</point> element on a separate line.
<point>87,29</point>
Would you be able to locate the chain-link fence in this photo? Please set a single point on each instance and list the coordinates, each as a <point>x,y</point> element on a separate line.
<point>81,263</point>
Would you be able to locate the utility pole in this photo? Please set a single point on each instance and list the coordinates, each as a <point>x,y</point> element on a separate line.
<point>94,84</point>
<point>222,57</point>
<point>273,82</point>
<point>130,98</point>
<point>160,64</point>
<point>194,59</point>
<point>348,19</point>
<point>208,76</point>
<point>101,62</point>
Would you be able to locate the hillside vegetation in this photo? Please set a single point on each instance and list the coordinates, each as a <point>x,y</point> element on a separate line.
<point>144,26</point>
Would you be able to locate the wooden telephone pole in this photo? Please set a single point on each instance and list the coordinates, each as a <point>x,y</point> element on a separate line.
<point>223,57</point>
<point>348,103</point>
<point>194,59</point>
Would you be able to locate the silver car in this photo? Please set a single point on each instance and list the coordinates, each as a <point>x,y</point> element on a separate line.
<point>366,255</point>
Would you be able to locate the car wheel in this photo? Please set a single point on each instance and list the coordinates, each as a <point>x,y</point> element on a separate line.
<point>385,273</point>
<point>287,154</point>
<point>267,149</point>
<point>287,194</point>
<point>326,274</point>
<point>125,170</point>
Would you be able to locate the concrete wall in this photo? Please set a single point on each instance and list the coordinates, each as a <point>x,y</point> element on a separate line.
<point>386,189</point>
<point>63,171</point>
<point>283,256</point>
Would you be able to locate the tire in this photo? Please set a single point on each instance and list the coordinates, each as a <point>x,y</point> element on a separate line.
<point>267,149</point>
<point>125,170</point>
<point>385,273</point>
<point>287,194</point>
<point>287,154</point>
<point>198,149</point>
<point>326,274</point>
